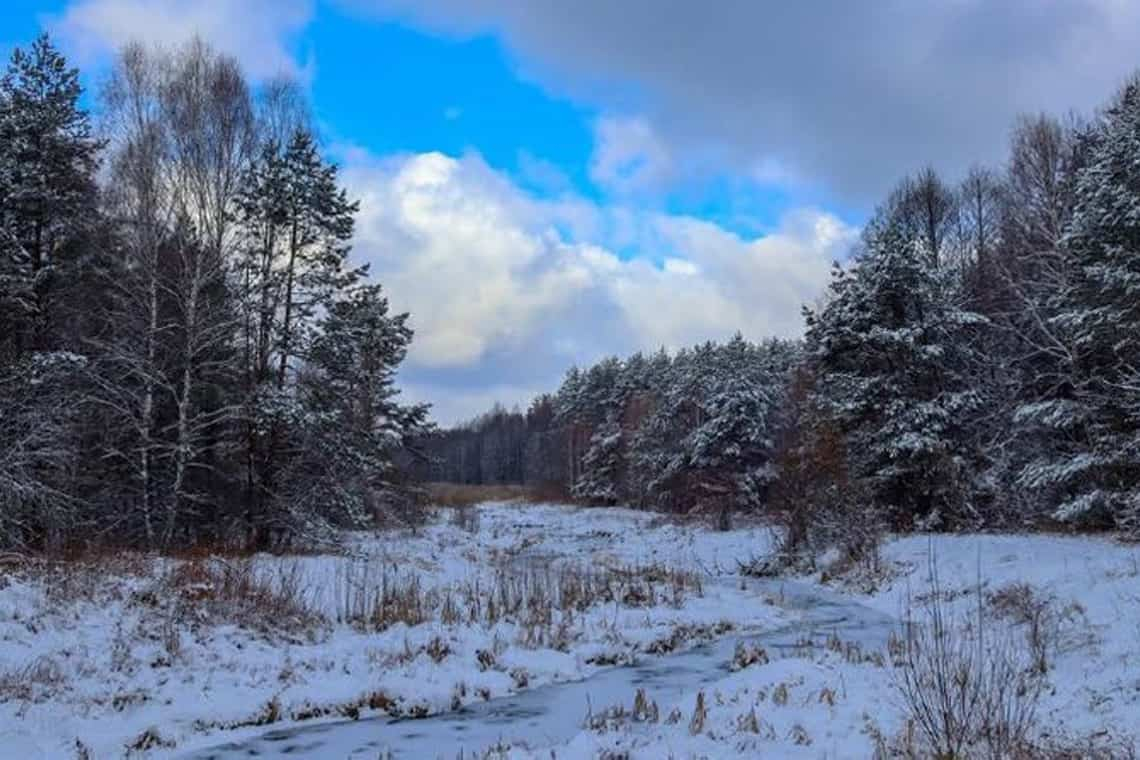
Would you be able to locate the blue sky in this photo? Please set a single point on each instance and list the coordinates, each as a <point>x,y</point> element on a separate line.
<point>545,182</point>
<point>390,87</point>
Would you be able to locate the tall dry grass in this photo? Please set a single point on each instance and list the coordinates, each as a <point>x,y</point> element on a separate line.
<point>466,495</point>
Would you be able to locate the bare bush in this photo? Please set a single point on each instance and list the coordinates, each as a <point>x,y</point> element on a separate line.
<point>1042,618</point>
<point>971,690</point>
<point>811,502</point>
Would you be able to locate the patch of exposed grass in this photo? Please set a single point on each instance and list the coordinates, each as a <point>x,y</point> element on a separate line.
<point>465,495</point>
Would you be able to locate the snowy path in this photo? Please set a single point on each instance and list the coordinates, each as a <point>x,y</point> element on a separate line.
<point>553,715</point>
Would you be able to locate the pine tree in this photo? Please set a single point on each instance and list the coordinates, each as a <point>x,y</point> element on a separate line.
<point>297,224</point>
<point>599,409</point>
<point>352,421</point>
<point>889,349</point>
<point>48,159</point>
<point>719,429</point>
<point>1097,312</point>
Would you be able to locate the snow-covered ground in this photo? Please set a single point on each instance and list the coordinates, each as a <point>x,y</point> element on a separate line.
<point>167,656</point>
<point>541,624</point>
<point>840,698</point>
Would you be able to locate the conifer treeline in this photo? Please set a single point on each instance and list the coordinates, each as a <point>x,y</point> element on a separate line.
<point>975,363</point>
<point>187,353</point>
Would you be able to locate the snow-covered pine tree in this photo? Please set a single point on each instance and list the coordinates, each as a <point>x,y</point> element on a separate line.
<point>888,347</point>
<point>1098,313</point>
<point>602,465</point>
<point>297,224</point>
<point>48,158</point>
<point>352,420</point>
<point>600,405</point>
<point>723,462</point>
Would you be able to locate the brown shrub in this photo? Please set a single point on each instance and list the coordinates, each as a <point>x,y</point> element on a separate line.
<point>810,501</point>
<point>238,592</point>
<point>466,495</point>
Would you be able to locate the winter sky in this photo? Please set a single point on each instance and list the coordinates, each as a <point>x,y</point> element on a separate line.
<point>544,182</point>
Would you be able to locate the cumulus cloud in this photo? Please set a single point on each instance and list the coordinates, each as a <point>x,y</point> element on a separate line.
<point>257,32</point>
<point>460,248</point>
<point>847,95</point>
<point>504,284</point>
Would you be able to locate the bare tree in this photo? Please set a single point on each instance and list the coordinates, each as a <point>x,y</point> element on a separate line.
<point>210,122</point>
<point>926,208</point>
<point>282,111</point>
<point>1039,180</point>
<point>182,134</point>
<point>980,198</point>
<point>141,201</point>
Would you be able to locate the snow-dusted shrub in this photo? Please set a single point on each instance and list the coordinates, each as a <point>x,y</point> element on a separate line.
<point>969,687</point>
<point>1046,623</point>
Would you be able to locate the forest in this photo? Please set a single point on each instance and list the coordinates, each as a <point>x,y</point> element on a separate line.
<point>191,355</point>
<point>971,366</point>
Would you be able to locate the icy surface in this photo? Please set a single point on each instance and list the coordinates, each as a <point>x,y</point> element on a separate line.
<point>553,715</point>
<point>85,660</point>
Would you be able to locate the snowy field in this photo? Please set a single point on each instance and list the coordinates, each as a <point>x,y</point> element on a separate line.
<point>1077,599</point>
<point>542,631</point>
<point>165,656</point>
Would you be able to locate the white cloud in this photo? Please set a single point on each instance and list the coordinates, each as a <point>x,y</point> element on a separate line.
<point>629,156</point>
<point>506,287</point>
<point>459,248</point>
<point>256,32</point>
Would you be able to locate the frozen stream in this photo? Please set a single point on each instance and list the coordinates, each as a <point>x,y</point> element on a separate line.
<point>553,714</point>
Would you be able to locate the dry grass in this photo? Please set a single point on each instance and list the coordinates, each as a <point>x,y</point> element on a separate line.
<point>39,680</point>
<point>463,495</point>
<point>237,591</point>
<point>543,600</point>
<point>467,495</point>
<point>148,740</point>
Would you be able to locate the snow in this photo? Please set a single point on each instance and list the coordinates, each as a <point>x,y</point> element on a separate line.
<point>840,696</point>
<point>87,660</point>
<point>90,664</point>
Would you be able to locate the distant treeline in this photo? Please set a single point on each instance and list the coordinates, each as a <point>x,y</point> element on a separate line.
<point>661,431</point>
